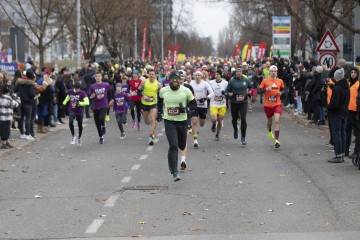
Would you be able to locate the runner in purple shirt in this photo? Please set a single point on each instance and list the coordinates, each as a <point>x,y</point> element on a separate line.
<point>78,100</point>
<point>121,105</point>
<point>100,93</point>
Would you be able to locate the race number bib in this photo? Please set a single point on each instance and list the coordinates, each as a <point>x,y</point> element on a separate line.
<point>200,102</point>
<point>240,98</point>
<point>73,104</point>
<point>149,99</point>
<point>272,99</point>
<point>119,103</point>
<point>173,111</point>
<point>133,93</point>
<point>218,98</point>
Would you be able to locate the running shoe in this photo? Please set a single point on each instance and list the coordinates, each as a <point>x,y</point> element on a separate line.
<point>176,176</point>
<point>243,142</point>
<point>29,137</point>
<point>213,127</point>
<point>101,141</point>
<point>107,118</point>
<point>196,144</point>
<point>123,136</point>
<point>103,130</point>
<point>183,165</point>
<point>277,144</point>
<point>23,136</point>
<point>190,130</point>
<point>217,137</point>
<point>133,124</point>
<point>138,127</point>
<point>236,135</point>
<point>151,141</point>
<point>79,142</point>
<point>73,140</point>
<point>250,110</point>
<point>270,135</point>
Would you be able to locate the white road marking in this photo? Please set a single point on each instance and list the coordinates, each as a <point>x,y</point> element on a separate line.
<point>163,130</point>
<point>135,167</point>
<point>156,140</point>
<point>111,201</point>
<point>126,179</point>
<point>143,157</point>
<point>149,149</point>
<point>160,134</point>
<point>94,226</point>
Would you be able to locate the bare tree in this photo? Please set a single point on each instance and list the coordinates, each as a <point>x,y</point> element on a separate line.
<point>44,20</point>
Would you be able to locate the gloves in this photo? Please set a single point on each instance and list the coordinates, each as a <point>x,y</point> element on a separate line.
<point>223,93</point>
<point>182,109</point>
<point>159,117</point>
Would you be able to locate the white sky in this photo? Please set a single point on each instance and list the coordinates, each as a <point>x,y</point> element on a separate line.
<point>208,18</point>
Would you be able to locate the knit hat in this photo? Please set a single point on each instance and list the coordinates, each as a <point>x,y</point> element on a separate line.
<point>319,69</point>
<point>118,85</point>
<point>339,74</point>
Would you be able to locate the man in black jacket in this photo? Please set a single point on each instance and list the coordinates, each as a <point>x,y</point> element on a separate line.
<point>338,108</point>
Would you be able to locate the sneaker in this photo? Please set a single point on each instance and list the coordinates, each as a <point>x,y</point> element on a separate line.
<point>270,135</point>
<point>103,130</point>
<point>123,136</point>
<point>176,177</point>
<point>243,142</point>
<point>277,144</point>
<point>250,110</point>
<point>335,160</point>
<point>329,145</point>
<point>29,137</point>
<point>58,123</point>
<point>183,165</point>
<point>217,137</point>
<point>73,140</point>
<point>353,155</point>
<point>138,127</point>
<point>101,141</point>
<point>190,130</point>
<point>236,134</point>
<point>107,118</point>
<point>196,144</point>
<point>151,141</point>
<point>133,124</point>
<point>9,145</point>
<point>213,127</point>
<point>23,136</point>
<point>79,142</point>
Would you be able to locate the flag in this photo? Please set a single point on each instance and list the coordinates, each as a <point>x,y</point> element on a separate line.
<point>150,53</point>
<point>169,51</point>
<point>244,51</point>
<point>144,41</point>
<point>261,52</point>
<point>248,52</point>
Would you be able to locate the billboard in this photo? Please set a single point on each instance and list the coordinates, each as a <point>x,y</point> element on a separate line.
<point>281,36</point>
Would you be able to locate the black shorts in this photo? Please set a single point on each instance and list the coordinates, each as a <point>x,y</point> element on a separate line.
<point>146,108</point>
<point>199,112</point>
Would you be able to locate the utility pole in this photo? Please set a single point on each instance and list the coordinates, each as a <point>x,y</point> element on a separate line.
<point>135,39</point>
<point>78,35</point>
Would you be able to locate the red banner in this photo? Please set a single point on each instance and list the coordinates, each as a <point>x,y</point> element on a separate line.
<point>169,52</point>
<point>176,49</point>
<point>261,52</point>
<point>237,50</point>
<point>249,52</point>
<point>150,53</point>
<point>144,41</point>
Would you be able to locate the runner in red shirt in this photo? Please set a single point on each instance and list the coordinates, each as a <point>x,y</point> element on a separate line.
<point>135,99</point>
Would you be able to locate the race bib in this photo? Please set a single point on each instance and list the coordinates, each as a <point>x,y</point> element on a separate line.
<point>149,99</point>
<point>119,103</point>
<point>272,99</point>
<point>200,102</point>
<point>218,98</point>
<point>133,93</point>
<point>173,111</point>
<point>73,104</point>
<point>240,98</point>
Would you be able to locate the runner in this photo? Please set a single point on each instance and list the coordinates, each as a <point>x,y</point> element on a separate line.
<point>135,99</point>
<point>121,103</point>
<point>150,87</point>
<point>272,88</point>
<point>78,100</point>
<point>175,98</point>
<point>218,103</point>
<point>238,90</point>
<point>203,92</point>
<point>100,93</point>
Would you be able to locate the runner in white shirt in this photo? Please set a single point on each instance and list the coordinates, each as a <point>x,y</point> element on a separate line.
<point>203,92</point>
<point>218,103</point>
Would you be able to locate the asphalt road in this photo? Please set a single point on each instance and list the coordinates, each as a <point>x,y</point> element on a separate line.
<point>50,189</point>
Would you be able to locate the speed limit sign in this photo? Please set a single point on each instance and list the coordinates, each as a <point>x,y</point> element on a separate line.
<point>328,59</point>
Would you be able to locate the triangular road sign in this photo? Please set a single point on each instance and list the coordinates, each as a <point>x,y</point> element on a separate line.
<point>327,43</point>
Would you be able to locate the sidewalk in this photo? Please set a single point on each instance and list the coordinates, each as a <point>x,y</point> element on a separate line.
<point>302,119</point>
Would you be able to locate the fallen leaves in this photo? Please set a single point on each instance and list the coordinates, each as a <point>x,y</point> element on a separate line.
<point>38,196</point>
<point>142,222</point>
<point>187,213</point>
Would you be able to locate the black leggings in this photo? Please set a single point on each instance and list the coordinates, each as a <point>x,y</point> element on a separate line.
<point>99,117</point>
<point>79,119</point>
<point>241,108</point>
<point>136,104</point>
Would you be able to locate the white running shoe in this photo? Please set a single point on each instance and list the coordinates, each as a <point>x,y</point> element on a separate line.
<point>73,140</point>
<point>23,136</point>
<point>29,137</point>
<point>79,141</point>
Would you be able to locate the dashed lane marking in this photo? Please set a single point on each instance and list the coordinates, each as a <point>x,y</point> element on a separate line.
<point>160,134</point>
<point>94,226</point>
<point>126,179</point>
<point>135,167</point>
<point>143,157</point>
<point>150,148</point>
<point>156,140</point>
<point>111,201</point>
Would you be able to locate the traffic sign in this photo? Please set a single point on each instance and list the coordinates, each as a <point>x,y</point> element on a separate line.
<point>327,43</point>
<point>328,59</point>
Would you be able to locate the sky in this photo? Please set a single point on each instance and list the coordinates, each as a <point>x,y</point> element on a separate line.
<point>209,18</point>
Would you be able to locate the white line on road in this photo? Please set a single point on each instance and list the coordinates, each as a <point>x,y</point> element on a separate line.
<point>156,140</point>
<point>163,130</point>
<point>143,157</point>
<point>160,134</point>
<point>149,149</point>
<point>111,201</point>
<point>126,179</point>
<point>94,226</point>
<point>135,167</point>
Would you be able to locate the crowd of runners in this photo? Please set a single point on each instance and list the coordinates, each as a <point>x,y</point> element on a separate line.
<point>182,95</point>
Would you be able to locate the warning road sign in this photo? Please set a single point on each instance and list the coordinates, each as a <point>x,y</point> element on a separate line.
<point>327,43</point>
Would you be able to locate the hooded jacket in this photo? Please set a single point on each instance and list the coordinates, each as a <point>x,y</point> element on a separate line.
<point>25,89</point>
<point>340,98</point>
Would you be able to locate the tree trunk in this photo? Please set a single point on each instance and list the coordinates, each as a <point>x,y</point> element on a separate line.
<point>41,54</point>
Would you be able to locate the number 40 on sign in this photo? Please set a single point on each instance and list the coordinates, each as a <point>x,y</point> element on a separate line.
<point>327,59</point>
